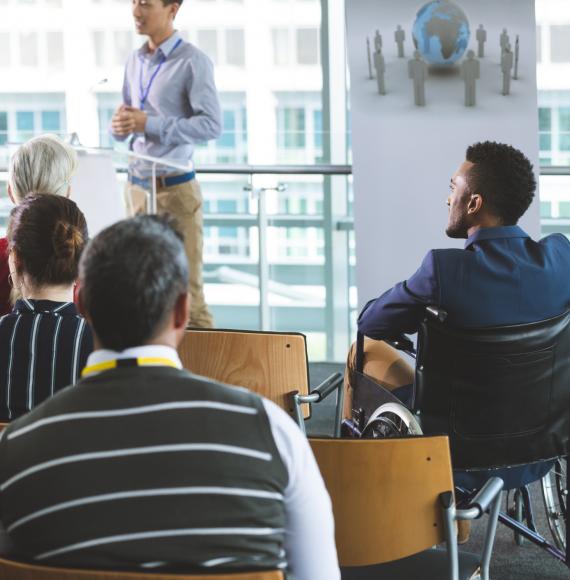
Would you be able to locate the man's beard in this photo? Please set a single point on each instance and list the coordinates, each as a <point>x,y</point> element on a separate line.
<point>457,229</point>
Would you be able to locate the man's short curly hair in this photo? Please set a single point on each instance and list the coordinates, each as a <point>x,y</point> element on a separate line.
<point>167,2</point>
<point>504,177</point>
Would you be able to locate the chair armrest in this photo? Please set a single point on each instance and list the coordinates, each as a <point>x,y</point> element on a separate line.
<point>401,342</point>
<point>482,501</point>
<point>328,386</point>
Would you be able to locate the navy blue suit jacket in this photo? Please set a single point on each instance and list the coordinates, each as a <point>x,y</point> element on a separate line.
<point>501,277</point>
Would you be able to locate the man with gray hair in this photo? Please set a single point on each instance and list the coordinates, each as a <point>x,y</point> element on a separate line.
<point>144,465</point>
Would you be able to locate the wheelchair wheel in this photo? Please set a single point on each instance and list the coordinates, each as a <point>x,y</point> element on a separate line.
<point>391,420</point>
<point>555,495</point>
<point>519,515</point>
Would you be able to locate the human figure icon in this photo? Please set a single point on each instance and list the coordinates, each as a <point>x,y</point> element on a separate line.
<point>380,67</point>
<point>400,37</point>
<point>418,72</point>
<point>507,62</point>
<point>481,36</point>
<point>370,75</point>
<point>377,41</point>
<point>470,73</point>
<point>505,40</point>
<point>517,55</point>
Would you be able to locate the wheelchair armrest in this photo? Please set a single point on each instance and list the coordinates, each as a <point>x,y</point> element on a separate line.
<point>328,386</point>
<point>482,501</point>
<point>437,313</point>
<point>401,342</point>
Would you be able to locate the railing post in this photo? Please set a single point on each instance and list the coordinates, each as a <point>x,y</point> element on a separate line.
<point>153,198</point>
<point>262,223</point>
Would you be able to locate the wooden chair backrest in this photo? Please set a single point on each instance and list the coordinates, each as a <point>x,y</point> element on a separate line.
<point>20,571</point>
<point>385,495</point>
<point>267,363</point>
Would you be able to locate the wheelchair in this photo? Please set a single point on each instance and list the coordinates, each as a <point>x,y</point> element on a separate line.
<point>524,370</point>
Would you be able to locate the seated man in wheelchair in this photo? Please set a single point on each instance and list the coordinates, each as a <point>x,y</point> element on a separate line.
<point>501,277</point>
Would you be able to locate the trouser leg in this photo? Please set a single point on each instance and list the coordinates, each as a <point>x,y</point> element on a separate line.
<point>184,203</point>
<point>136,199</point>
<point>381,362</point>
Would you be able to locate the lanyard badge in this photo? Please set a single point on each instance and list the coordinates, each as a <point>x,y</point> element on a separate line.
<point>144,91</point>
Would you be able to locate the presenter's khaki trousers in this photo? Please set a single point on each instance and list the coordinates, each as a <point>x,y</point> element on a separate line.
<point>184,203</point>
<point>381,362</point>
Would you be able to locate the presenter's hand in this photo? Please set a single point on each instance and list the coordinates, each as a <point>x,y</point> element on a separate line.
<point>122,122</point>
<point>138,118</point>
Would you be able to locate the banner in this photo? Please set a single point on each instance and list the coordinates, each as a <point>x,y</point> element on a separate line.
<point>427,80</point>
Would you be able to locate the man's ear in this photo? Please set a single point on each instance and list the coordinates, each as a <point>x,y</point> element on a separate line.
<point>475,204</point>
<point>79,302</point>
<point>175,7</point>
<point>182,311</point>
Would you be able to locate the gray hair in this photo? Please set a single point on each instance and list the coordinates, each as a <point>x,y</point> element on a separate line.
<point>44,164</point>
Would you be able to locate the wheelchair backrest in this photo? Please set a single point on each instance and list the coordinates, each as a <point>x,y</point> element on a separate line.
<point>502,394</point>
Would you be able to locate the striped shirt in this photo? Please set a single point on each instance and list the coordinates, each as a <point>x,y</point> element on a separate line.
<point>44,345</point>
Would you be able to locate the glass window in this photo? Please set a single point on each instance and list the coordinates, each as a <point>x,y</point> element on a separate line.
<point>560,43</point>
<point>235,47</point>
<point>5,58</point>
<point>51,121</point>
<point>99,47</point>
<point>228,138</point>
<point>545,128</point>
<point>564,209</point>
<point>545,209</point>
<point>3,127</point>
<point>318,122</point>
<point>24,125</point>
<point>123,46</point>
<point>280,37</point>
<point>564,128</point>
<point>308,46</point>
<point>29,48</point>
<point>208,42</point>
<point>291,128</point>
<point>54,40</point>
<point>227,206</point>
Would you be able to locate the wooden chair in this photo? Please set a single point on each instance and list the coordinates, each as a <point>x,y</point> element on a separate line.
<point>393,500</point>
<point>10,570</point>
<point>271,364</point>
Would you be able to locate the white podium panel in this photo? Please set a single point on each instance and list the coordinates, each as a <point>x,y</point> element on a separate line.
<point>96,191</point>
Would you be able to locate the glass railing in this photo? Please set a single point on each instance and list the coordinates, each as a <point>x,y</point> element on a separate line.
<point>279,247</point>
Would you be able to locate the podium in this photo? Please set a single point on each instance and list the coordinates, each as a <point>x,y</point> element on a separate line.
<point>97,191</point>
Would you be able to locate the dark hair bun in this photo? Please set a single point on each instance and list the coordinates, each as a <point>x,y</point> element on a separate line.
<point>67,240</point>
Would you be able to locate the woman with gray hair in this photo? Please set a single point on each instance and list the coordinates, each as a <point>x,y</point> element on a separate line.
<point>44,164</point>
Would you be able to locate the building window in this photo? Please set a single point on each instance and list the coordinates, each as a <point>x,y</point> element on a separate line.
<point>24,125</point>
<point>29,49</point>
<point>564,128</point>
<point>235,47</point>
<point>54,41</point>
<point>5,57</point>
<point>545,128</point>
<point>208,42</point>
<point>291,128</point>
<point>308,46</point>
<point>51,121</point>
<point>280,38</point>
<point>3,128</point>
<point>560,43</point>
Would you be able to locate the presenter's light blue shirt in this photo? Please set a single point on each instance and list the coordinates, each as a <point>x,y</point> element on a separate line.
<point>182,104</point>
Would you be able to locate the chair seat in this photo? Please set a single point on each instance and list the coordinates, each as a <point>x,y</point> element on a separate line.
<point>428,564</point>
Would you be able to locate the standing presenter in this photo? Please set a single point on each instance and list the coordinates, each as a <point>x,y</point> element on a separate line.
<point>170,103</point>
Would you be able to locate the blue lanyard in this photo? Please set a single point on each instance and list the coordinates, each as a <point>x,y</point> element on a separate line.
<point>143,93</point>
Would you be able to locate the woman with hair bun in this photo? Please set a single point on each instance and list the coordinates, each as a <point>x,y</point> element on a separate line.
<point>44,343</point>
<point>44,164</point>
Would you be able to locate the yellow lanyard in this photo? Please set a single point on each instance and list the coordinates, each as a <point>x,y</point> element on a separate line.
<point>146,361</point>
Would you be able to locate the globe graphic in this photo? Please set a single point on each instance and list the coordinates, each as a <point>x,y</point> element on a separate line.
<point>441,32</point>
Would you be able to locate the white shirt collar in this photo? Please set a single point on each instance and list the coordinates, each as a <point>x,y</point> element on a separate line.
<point>149,351</point>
